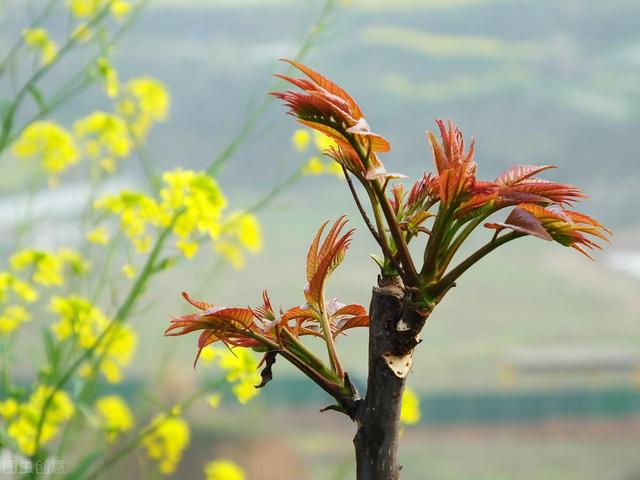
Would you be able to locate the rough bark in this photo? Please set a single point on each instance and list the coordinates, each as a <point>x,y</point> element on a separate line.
<point>378,415</point>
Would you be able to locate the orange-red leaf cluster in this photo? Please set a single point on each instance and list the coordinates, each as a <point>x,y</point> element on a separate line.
<point>260,327</point>
<point>327,108</point>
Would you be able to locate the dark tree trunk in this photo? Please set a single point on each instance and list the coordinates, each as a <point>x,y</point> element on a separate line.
<point>378,416</point>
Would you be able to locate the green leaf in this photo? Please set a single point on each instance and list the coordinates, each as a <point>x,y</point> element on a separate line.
<point>37,97</point>
<point>52,351</point>
<point>378,260</point>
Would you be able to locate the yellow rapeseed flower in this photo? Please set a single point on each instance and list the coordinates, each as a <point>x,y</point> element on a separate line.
<point>120,9</point>
<point>48,143</point>
<point>241,231</point>
<point>300,140</point>
<point>214,400</point>
<point>48,267</point>
<point>166,443</point>
<point>202,202</point>
<point>241,370</point>
<point>84,322</point>
<point>24,418</point>
<point>314,166</point>
<point>12,317</point>
<point>109,77</point>
<point>322,141</point>
<point>106,137</point>
<point>245,228</point>
<point>136,211</point>
<point>143,244</point>
<point>187,248</point>
<point>89,8</point>
<point>9,408</point>
<point>99,235</point>
<point>144,101</point>
<point>334,168</point>
<point>74,261</point>
<point>85,8</point>
<point>38,39</point>
<point>410,410</point>
<point>223,470</point>
<point>232,253</point>
<point>114,416</point>
<point>78,318</point>
<point>209,354</point>
<point>129,271</point>
<point>10,283</point>
<point>117,351</point>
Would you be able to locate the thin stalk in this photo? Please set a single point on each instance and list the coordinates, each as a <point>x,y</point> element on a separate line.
<point>120,316</point>
<point>249,124</point>
<point>7,122</point>
<point>459,240</point>
<point>412,277</point>
<point>411,274</point>
<point>334,358</point>
<point>69,90</point>
<point>322,376</point>
<point>150,173</point>
<point>445,282</point>
<point>302,350</point>
<point>133,443</point>
<point>437,232</point>
<point>6,380</point>
<point>46,11</point>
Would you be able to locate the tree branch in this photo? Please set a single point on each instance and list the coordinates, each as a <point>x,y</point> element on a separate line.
<point>447,281</point>
<point>383,245</point>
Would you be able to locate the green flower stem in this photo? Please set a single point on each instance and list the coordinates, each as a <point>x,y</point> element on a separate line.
<point>446,282</point>
<point>80,80</point>
<point>128,447</point>
<point>6,380</point>
<point>46,11</point>
<point>245,130</point>
<point>149,267</point>
<point>7,123</point>
<point>120,316</point>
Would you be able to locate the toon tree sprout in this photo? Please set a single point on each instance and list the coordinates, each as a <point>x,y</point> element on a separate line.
<point>445,207</point>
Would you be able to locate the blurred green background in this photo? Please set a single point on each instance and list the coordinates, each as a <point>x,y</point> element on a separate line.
<point>530,369</point>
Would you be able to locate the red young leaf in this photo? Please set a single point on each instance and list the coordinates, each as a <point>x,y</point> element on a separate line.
<point>456,169</point>
<point>328,85</point>
<point>329,256</point>
<point>518,173</point>
<point>197,303</point>
<point>312,254</point>
<point>348,158</point>
<point>522,221</point>
<point>567,227</point>
<point>351,322</point>
<point>353,309</point>
<point>235,317</point>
